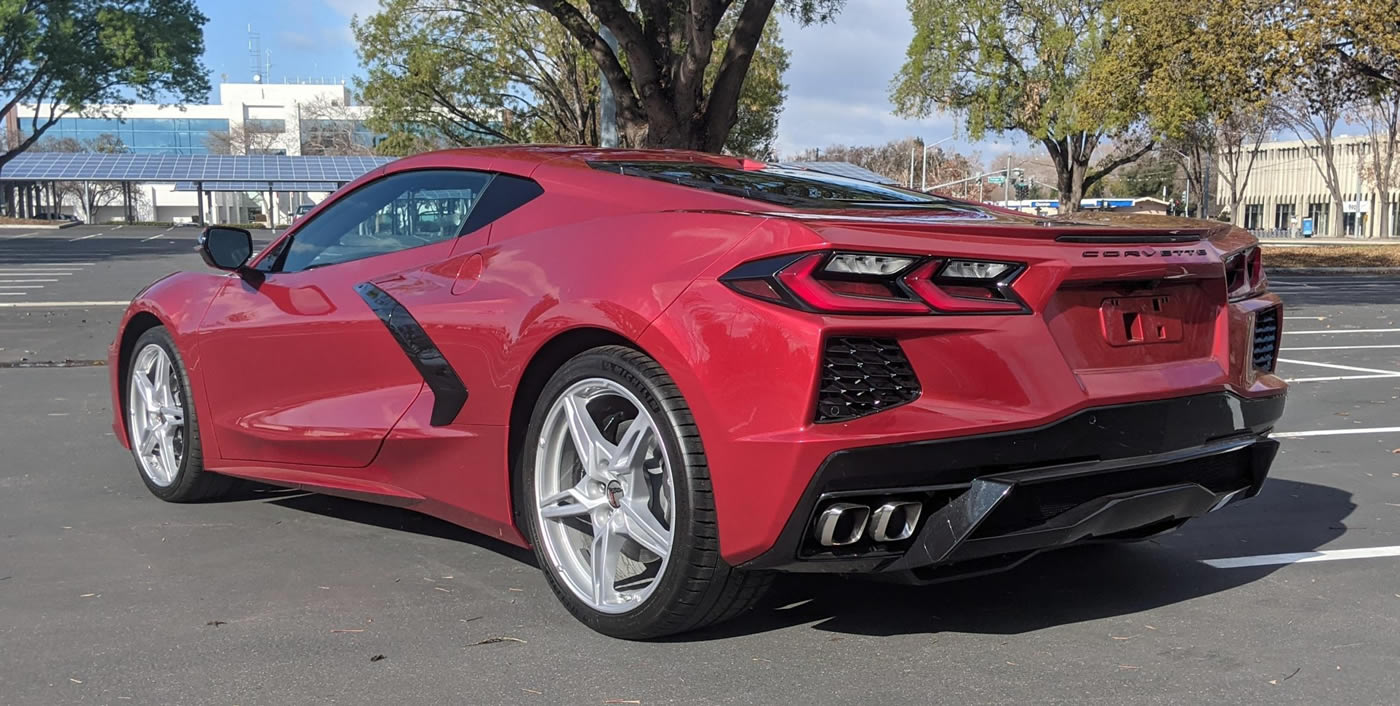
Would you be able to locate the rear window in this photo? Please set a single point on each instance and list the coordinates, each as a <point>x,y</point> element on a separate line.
<point>796,188</point>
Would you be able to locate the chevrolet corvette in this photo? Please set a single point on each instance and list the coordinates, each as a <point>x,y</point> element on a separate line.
<point>674,375</point>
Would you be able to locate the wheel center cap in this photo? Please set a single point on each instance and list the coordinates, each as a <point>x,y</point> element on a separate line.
<point>614,493</point>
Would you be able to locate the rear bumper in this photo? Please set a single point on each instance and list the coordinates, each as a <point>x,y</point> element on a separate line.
<point>1115,472</point>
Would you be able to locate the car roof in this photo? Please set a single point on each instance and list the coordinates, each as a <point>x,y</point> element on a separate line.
<point>524,159</point>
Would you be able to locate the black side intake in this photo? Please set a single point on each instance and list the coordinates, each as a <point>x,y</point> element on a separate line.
<point>863,376</point>
<point>1266,339</point>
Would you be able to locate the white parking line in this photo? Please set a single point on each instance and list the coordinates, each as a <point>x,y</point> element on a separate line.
<point>1333,432</point>
<point>83,237</point>
<point>1302,557</point>
<point>1335,378</point>
<point>25,281</point>
<point>21,286</point>
<point>1341,348</point>
<point>157,235</point>
<point>18,236</point>
<point>51,264</point>
<point>1339,367</point>
<point>11,294</point>
<point>1344,330</point>
<point>56,305</point>
<point>1305,318</point>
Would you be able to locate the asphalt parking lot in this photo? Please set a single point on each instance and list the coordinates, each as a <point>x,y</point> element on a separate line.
<point>109,596</point>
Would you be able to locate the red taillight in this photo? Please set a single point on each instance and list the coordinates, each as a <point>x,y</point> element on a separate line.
<point>1244,273</point>
<point>880,283</point>
<point>801,279</point>
<point>951,298</point>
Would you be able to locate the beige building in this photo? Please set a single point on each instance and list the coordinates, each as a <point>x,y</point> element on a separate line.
<point>1286,193</point>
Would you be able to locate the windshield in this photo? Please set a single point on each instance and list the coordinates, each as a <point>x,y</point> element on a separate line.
<point>797,188</point>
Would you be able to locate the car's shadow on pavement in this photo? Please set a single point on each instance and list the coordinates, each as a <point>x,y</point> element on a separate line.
<point>1067,586</point>
<point>1056,588</point>
<point>391,518</point>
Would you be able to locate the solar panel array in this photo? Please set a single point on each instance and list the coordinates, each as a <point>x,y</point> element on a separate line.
<point>82,166</point>
<point>258,186</point>
<point>841,169</point>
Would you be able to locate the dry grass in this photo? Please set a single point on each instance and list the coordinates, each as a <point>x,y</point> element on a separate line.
<point>7,221</point>
<point>1333,256</point>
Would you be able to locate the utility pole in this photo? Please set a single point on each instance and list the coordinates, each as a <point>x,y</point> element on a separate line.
<point>1006,185</point>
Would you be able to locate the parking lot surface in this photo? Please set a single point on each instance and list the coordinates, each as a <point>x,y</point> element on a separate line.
<point>109,596</point>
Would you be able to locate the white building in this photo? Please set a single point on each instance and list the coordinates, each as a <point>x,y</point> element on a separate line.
<point>1287,194</point>
<point>249,118</point>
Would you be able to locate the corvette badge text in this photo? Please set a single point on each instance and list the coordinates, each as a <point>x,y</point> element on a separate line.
<point>1145,252</point>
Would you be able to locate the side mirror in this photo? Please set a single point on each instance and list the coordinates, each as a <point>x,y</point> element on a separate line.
<point>225,248</point>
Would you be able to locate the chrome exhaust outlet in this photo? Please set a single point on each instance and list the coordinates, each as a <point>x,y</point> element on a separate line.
<point>841,524</point>
<point>895,521</point>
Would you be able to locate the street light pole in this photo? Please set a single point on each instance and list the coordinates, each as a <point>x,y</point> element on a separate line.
<point>1188,161</point>
<point>923,180</point>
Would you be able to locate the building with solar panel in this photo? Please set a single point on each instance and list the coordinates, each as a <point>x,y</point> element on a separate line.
<point>271,121</point>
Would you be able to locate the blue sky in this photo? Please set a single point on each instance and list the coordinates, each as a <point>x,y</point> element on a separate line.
<point>838,81</point>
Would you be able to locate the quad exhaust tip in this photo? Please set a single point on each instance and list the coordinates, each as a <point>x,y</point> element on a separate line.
<point>842,524</point>
<point>895,521</point>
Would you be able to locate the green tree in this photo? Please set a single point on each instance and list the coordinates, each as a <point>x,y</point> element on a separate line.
<point>63,55</point>
<point>1024,67</point>
<point>468,72</point>
<point>658,80</point>
<point>1209,74</point>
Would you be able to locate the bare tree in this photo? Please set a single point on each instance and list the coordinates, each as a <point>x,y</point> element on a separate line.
<point>328,127</point>
<point>249,137</point>
<point>89,196</point>
<point>895,160</point>
<point>1237,134</point>
<point>1325,92</point>
<point>1380,113</point>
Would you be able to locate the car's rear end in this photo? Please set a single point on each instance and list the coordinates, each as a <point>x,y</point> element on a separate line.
<point>948,390</point>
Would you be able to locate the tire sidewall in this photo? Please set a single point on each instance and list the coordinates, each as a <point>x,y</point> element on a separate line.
<point>654,610</point>
<point>185,477</point>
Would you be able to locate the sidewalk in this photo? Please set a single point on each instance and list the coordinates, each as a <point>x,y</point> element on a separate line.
<point>1312,242</point>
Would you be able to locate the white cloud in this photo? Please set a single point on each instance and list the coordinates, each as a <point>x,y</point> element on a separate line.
<point>839,83</point>
<point>354,8</point>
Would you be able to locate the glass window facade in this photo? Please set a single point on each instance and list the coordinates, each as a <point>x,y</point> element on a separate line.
<point>143,135</point>
<point>336,136</point>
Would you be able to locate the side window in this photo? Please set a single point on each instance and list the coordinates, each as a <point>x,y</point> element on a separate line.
<point>400,211</point>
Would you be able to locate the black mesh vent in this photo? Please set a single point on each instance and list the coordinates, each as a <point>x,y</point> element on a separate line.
<point>1266,340</point>
<point>862,376</point>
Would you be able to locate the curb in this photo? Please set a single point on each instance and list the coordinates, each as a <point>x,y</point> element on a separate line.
<point>1333,270</point>
<point>59,226</point>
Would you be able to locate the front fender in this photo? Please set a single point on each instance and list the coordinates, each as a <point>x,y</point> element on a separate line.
<point>177,302</point>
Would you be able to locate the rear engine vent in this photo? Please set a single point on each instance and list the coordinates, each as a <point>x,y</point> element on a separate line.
<point>1266,340</point>
<point>862,376</point>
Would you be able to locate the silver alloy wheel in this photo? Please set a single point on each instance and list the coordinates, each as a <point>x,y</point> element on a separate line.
<point>155,415</point>
<point>604,495</point>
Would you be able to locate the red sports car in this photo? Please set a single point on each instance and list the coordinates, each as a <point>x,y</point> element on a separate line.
<point>674,374</point>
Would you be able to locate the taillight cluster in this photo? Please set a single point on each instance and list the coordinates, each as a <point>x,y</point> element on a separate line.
<point>1244,273</point>
<point>881,283</point>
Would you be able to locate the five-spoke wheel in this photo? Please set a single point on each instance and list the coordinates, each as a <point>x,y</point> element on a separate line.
<point>605,495</point>
<point>615,496</point>
<point>155,413</point>
<point>161,424</point>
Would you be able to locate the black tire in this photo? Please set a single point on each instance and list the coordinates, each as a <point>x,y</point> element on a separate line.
<point>193,483</point>
<point>697,588</point>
